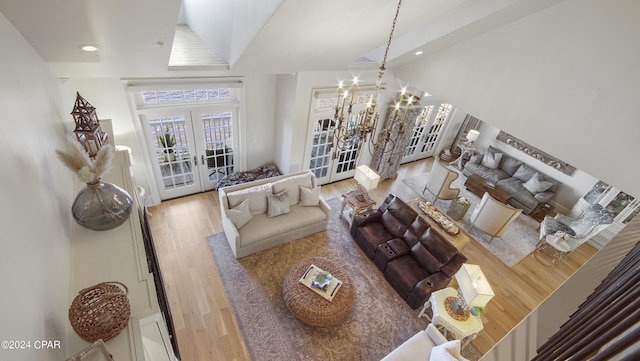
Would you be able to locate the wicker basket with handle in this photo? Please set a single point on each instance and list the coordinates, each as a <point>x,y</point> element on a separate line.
<point>100,311</point>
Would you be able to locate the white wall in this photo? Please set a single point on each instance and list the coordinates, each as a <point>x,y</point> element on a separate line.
<point>36,196</point>
<point>260,105</point>
<point>286,100</point>
<point>572,187</point>
<point>563,79</point>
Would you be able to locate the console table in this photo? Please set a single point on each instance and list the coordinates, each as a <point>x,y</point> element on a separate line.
<point>459,240</point>
<point>478,186</point>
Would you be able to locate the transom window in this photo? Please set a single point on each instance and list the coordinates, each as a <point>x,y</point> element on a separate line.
<point>185,95</point>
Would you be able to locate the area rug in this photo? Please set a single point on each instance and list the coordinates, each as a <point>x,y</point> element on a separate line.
<point>378,322</point>
<point>518,241</point>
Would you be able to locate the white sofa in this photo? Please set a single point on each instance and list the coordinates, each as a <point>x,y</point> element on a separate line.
<point>261,231</point>
<point>429,345</point>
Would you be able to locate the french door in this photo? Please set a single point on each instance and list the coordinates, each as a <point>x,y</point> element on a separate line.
<point>426,131</point>
<point>191,148</point>
<point>328,164</point>
<point>322,163</point>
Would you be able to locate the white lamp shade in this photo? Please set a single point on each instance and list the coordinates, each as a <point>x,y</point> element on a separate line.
<point>366,177</point>
<point>473,135</point>
<point>474,286</point>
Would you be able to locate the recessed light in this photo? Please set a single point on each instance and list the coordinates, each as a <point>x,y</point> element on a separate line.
<point>419,52</point>
<point>89,48</point>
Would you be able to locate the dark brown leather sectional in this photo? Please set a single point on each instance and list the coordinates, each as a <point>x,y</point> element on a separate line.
<point>413,259</point>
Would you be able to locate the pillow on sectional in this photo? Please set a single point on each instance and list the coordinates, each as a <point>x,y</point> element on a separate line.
<point>510,165</point>
<point>278,204</point>
<point>491,160</point>
<point>309,196</point>
<point>448,351</point>
<point>256,195</point>
<point>292,186</point>
<point>240,214</point>
<point>524,173</point>
<point>476,158</point>
<point>537,184</point>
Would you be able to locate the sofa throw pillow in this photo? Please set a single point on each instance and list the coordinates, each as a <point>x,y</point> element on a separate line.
<point>309,197</point>
<point>257,196</point>
<point>510,165</point>
<point>447,351</point>
<point>277,204</point>
<point>292,186</point>
<point>240,214</point>
<point>491,160</point>
<point>524,173</point>
<point>537,184</point>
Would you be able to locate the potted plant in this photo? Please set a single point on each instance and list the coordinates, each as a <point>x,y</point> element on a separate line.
<point>167,141</point>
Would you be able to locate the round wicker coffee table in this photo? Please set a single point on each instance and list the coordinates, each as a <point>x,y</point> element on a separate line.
<point>308,306</point>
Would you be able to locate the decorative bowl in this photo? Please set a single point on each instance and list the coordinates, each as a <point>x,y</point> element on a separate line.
<point>321,279</point>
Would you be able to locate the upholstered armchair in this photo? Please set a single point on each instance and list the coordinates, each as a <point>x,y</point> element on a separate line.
<point>439,182</point>
<point>493,217</point>
<point>571,233</point>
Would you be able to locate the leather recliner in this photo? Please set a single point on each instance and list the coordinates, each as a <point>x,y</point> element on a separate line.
<point>413,259</point>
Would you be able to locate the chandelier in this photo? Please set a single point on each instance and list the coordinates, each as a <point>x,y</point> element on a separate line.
<point>353,130</point>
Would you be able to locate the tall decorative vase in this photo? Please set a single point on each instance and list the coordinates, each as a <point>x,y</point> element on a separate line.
<point>101,206</point>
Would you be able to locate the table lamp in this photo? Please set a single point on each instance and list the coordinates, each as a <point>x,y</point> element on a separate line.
<point>367,180</point>
<point>473,135</point>
<point>473,289</point>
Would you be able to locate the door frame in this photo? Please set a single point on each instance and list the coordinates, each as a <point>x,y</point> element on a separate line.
<point>318,114</point>
<point>192,118</point>
<point>431,117</point>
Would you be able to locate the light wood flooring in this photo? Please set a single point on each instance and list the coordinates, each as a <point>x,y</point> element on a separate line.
<point>203,318</point>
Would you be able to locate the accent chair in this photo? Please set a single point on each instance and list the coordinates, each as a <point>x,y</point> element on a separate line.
<point>493,217</point>
<point>439,182</point>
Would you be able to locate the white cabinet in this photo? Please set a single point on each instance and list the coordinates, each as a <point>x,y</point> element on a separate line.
<point>622,206</point>
<point>120,255</point>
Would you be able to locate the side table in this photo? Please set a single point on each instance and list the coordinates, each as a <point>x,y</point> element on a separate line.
<point>358,201</point>
<point>458,208</point>
<point>461,330</point>
<point>468,150</point>
<point>542,210</point>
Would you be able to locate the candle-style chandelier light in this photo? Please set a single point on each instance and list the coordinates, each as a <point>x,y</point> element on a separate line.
<point>353,130</point>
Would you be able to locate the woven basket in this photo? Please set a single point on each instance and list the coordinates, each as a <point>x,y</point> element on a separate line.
<point>100,311</point>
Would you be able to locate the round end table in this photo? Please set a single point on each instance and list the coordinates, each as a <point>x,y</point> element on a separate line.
<point>308,306</point>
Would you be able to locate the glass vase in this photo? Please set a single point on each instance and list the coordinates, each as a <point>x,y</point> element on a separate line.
<point>101,206</point>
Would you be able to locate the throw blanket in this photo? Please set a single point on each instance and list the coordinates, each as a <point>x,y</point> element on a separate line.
<point>265,171</point>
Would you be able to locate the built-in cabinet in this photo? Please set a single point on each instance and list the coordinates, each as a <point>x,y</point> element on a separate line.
<point>622,206</point>
<point>121,255</point>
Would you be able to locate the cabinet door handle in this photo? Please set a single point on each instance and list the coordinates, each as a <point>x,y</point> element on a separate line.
<point>202,155</point>
<point>195,160</point>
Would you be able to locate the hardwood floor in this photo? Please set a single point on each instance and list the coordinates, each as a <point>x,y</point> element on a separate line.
<point>205,325</point>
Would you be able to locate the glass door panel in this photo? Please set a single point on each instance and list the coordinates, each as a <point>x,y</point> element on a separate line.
<point>171,140</point>
<point>431,137</point>
<point>320,160</point>
<point>415,141</point>
<point>215,145</point>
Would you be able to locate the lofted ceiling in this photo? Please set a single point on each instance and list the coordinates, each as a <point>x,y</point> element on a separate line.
<point>251,36</point>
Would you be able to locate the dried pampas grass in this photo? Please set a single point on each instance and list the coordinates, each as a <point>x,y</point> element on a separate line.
<point>78,161</point>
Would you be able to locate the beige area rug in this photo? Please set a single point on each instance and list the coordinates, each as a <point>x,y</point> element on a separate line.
<point>518,241</point>
<point>378,322</point>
